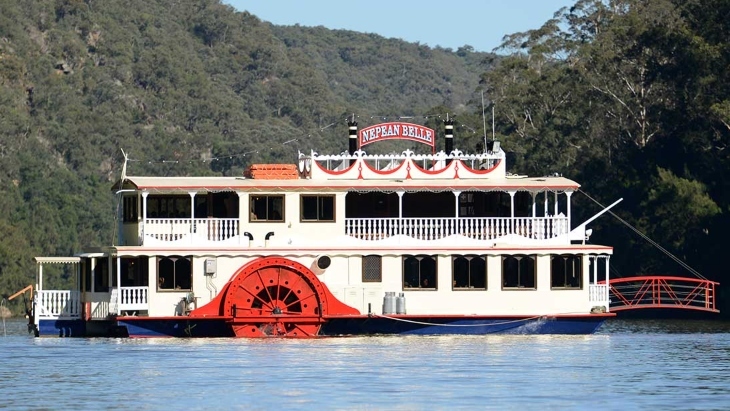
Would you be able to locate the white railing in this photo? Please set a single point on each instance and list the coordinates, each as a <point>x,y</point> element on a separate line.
<point>134,298</point>
<point>598,293</point>
<point>174,229</point>
<point>480,228</point>
<point>58,304</point>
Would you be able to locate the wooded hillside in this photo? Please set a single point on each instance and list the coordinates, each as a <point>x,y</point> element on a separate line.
<point>184,87</point>
<point>630,98</point>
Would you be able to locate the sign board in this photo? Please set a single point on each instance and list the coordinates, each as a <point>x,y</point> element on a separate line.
<point>397,131</point>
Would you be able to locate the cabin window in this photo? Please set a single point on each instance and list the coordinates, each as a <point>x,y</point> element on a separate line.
<point>267,208</point>
<point>168,206</point>
<point>372,269</point>
<point>469,272</point>
<point>135,271</point>
<point>317,208</point>
<point>419,272</point>
<point>174,273</point>
<point>130,209</point>
<point>518,271</point>
<point>566,271</point>
<point>101,274</point>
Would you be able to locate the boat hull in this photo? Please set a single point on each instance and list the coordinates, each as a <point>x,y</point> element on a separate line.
<point>188,327</point>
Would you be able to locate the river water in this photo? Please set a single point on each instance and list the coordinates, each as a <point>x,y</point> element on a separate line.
<point>627,365</point>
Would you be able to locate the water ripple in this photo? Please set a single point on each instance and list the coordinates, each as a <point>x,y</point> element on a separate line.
<point>629,364</point>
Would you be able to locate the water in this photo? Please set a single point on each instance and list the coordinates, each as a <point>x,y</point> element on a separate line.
<point>627,365</point>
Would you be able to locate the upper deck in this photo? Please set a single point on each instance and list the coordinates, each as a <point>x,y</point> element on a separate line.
<point>353,197</point>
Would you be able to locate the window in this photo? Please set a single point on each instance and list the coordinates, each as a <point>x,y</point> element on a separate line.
<point>130,209</point>
<point>318,208</point>
<point>101,275</point>
<point>174,273</point>
<point>267,208</point>
<point>518,271</point>
<point>134,271</point>
<point>419,272</point>
<point>168,206</point>
<point>372,269</point>
<point>566,271</point>
<point>469,272</point>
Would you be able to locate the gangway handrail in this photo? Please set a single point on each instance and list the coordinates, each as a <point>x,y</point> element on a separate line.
<point>659,277</point>
<point>662,292</point>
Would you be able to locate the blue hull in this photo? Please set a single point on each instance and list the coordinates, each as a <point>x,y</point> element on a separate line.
<point>461,326</point>
<point>186,327</point>
<point>62,328</point>
<point>79,328</point>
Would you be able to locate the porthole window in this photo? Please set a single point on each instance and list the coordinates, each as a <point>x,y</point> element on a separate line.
<point>323,262</point>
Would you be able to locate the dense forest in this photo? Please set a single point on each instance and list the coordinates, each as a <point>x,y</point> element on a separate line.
<point>630,98</point>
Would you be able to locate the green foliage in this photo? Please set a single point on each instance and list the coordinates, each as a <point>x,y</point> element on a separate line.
<point>630,98</point>
<point>187,80</point>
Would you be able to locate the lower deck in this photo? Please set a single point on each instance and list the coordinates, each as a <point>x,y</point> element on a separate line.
<point>318,285</point>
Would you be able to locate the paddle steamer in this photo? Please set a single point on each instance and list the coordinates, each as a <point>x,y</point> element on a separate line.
<point>350,244</point>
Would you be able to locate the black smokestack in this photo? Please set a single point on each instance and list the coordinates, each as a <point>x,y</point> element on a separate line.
<point>352,130</point>
<point>449,142</point>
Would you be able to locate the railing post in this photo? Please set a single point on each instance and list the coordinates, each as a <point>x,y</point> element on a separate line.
<point>456,211</point>
<point>568,194</point>
<point>144,215</point>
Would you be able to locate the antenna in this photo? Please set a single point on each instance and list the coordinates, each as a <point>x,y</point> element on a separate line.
<point>124,167</point>
<point>493,121</point>
<point>484,120</point>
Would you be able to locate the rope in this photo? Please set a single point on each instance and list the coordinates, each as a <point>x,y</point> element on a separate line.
<point>458,325</point>
<point>652,242</point>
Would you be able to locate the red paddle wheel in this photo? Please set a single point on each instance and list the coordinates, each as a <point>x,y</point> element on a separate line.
<point>274,297</point>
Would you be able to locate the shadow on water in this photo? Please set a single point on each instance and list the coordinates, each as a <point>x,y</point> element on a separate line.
<point>664,326</point>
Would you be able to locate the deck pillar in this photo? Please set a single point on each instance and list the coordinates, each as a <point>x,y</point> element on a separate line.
<point>568,194</point>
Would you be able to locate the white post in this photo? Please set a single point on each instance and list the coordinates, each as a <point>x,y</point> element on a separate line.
<point>456,201</point>
<point>608,286</point>
<point>93,274</point>
<point>546,204</point>
<point>110,268</point>
<point>556,203</point>
<point>192,215</point>
<point>242,214</point>
<point>511,226</point>
<point>595,268</point>
<point>454,227</point>
<point>120,217</point>
<point>400,213</point>
<point>534,204</point>
<point>144,213</point>
<point>512,203</point>
<point>568,194</point>
<point>39,286</point>
<point>119,282</point>
<point>400,203</point>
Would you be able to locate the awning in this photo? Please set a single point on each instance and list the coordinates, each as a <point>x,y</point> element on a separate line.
<point>57,260</point>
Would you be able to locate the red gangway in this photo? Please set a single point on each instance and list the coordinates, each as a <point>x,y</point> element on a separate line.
<point>631,293</point>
